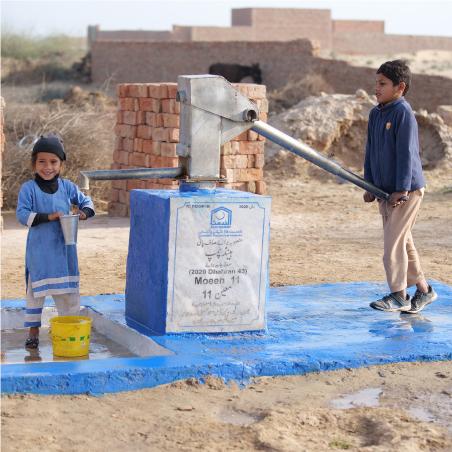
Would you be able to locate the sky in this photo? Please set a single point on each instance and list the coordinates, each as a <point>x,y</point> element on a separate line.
<point>72,17</point>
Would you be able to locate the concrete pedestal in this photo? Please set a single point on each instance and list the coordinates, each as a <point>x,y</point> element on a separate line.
<point>198,261</point>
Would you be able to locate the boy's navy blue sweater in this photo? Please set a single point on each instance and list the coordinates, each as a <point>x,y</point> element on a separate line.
<point>392,160</point>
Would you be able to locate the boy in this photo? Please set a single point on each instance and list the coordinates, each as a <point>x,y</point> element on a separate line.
<point>393,164</point>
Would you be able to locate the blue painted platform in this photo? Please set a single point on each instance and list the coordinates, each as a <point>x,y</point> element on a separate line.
<point>309,328</point>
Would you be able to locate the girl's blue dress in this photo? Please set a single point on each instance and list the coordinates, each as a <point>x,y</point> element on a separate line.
<point>50,265</point>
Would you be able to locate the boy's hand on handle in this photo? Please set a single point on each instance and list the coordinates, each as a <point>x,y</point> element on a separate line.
<point>368,197</point>
<point>398,198</point>
<point>55,216</point>
<point>82,215</point>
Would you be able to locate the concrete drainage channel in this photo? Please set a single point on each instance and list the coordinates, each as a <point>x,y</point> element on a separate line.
<point>109,339</point>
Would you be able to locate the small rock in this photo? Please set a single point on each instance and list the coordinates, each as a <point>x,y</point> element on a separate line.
<point>185,408</point>
<point>381,374</point>
<point>440,375</point>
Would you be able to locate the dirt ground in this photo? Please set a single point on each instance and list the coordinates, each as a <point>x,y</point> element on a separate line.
<point>320,231</point>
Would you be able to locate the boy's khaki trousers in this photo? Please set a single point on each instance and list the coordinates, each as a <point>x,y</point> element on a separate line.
<point>400,258</point>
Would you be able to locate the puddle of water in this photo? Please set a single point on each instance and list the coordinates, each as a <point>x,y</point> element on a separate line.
<point>365,397</point>
<point>237,418</point>
<point>13,350</point>
<point>421,414</point>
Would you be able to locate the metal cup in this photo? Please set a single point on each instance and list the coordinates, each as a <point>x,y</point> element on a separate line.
<point>69,225</point>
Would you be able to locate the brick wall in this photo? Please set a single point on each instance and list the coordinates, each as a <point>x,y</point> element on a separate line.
<point>165,61</point>
<point>378,43</point>
<point>147,131</point>
<point>358,26</point>
<point>279,61</point>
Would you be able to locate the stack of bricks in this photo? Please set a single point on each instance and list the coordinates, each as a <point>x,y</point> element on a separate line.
<point>147,132</point>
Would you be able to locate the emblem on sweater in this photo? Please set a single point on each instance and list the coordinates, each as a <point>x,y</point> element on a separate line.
<point>388,125</point>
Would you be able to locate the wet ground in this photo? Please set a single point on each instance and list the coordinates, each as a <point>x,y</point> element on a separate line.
<point>13,350</point>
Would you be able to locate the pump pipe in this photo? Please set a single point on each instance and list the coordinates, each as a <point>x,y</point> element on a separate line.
<point>305,151</point>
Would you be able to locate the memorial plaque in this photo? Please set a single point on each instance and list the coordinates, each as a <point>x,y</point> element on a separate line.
<point>217,263</point>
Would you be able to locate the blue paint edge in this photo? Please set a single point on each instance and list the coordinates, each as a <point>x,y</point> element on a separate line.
<point>125,374</point>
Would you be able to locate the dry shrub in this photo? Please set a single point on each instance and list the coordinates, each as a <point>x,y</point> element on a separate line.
<point>296,90</point>
<point>88,138</point>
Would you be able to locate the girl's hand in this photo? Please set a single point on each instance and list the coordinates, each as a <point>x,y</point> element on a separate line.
<point>55,216</point>
<point>81,215</point>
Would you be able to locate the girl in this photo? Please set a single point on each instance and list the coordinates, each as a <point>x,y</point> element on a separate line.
<point>51,267</point>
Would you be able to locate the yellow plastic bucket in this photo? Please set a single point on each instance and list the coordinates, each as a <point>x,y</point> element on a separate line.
<point>70,335</point>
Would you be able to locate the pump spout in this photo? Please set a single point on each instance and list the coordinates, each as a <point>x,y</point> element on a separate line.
<point>138,173</point>
<point>305,151</point>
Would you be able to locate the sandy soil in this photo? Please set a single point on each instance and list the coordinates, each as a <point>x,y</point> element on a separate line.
<point>321,231</point>
<point>273,414</point>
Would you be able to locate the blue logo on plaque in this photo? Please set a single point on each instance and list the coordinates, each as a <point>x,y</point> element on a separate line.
<point>220,217</point>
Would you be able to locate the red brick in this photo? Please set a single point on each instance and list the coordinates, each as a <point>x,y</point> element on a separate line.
<point>252,135</point>
<point>126,131</point>
<point>154,119</point>
<point>170,120</point>
<point>134,184</point>
<point>170,162</point>
<point>119,119</point>
<point>158,90</point>
<point>144,132</point>
<point>128,103</point>
<point>168,149</point>
<point>172,90</point>
<point>118,143</point>
<point>160,134</point>
<point>138,159</point>
<point>137,90</point>
<point>138,145</point>
<point>129,117</point>
<point>115,166</point>
<point>230,148</point>
<point>262,105</point>
<point>127,144</point>
<point>121,90</point>
<point>259,160</point>
<point>242,137</point>
<point>261,187</point>
<point>150,184</point>
<point>250,174</point>
<point>230,174</point>
<point>227,161</point>
<point>119,184</point>
<point>251,160</point>
<point>154,161</point>
<point>123,157</point>
<point>151,147</point>
<point>251,147</point>
<point>114,195</point>
<point>251,187</point>
<point>116,209</point>
<point>124,197</point>
<point>170,106</point>
<point>149,104</point>
<point>173,135</point>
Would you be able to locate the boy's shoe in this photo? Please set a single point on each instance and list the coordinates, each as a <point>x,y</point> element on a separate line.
<point>392,303</point>
<point>420,300</point>
<point>32,343</point>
